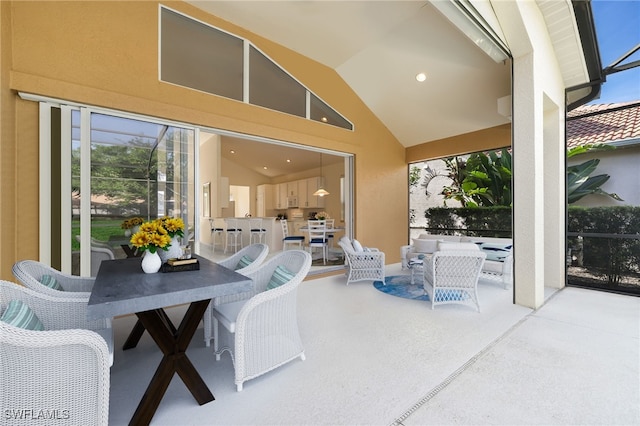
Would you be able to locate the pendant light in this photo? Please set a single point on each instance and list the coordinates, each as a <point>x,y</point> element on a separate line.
<point>321,192</point>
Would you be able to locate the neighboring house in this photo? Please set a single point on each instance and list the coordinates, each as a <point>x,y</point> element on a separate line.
<point>617,125</point>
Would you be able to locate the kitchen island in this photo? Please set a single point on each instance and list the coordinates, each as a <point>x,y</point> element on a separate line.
<point>272,237</point>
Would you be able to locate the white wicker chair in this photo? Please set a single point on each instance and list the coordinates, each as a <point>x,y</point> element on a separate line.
<point>64,368</point>
<point>98,254</point>
<point>29,273</point>
<point>257,252</point>
<point>362,265</point>
<point>452,277</point>
<point>263,331</point>
<point>61,374</point>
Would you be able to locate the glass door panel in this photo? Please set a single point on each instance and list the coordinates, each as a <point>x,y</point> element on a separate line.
<point>138,169</point>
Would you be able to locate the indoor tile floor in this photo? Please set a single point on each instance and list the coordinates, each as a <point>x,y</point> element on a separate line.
<point>376,359</point>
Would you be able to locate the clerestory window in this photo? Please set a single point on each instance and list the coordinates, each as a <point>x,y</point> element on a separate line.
<point>198,56</point>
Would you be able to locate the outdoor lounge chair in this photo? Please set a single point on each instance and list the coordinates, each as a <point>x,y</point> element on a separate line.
<point>363,264</point>
<point>451,276</point>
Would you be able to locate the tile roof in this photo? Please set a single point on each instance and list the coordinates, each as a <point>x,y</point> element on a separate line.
<point>603,123</point>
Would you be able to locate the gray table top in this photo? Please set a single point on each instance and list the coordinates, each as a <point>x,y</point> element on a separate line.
<point>122,287</point>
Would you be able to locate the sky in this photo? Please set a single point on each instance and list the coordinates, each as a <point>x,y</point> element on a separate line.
<point>618,31</point>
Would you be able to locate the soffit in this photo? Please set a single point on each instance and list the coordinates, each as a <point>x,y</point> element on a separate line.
<point>563,33</point>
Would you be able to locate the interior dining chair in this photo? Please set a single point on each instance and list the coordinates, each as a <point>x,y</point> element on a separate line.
<point>317,232</point>
<point>234,235</point>
<point>331,223</point>
<point>288,240</point>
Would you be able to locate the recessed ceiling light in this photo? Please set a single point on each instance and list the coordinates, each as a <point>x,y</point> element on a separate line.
<point>232,152</point>
<point>421,77</point>
<point>324,119</point>
<point>264,167</point>
<point>288,161</point>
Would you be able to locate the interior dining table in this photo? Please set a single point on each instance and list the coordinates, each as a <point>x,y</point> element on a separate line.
<point>121,287</point>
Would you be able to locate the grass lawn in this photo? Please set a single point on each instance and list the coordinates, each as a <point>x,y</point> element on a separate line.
<point>101,229</point>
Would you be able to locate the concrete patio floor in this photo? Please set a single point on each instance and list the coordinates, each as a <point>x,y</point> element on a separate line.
<point>376,359</point>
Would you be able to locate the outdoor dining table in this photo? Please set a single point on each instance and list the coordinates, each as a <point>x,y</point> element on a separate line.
<point>124,242</point>
<point>121,287</point>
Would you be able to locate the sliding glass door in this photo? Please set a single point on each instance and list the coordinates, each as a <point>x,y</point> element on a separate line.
<point>104,169</point>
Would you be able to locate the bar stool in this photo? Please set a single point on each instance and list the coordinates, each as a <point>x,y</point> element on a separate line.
<point>256,230</point>
<point>234,235</point>
<point>217,234</point>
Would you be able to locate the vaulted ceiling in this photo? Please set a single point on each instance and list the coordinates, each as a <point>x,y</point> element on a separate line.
<point>378,47</point>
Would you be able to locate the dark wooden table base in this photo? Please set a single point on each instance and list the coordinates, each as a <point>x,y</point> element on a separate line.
<point>173,343</point>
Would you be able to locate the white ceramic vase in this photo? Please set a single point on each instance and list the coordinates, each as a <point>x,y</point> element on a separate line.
<point>127,233</point>
<point>151,262</point>
<point>174,252</point>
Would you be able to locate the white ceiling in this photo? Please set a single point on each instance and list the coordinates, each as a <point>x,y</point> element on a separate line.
<point>378,47</point>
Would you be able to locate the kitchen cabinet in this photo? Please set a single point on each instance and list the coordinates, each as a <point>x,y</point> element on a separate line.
<point>303,196</point>
<point>281,196</point>
<point>311,201</point>
<point>299,194</point>
<point>292,189</point>
<point>264,200</point>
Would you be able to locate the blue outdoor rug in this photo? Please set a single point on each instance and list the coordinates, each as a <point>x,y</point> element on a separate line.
<point>400,286</point>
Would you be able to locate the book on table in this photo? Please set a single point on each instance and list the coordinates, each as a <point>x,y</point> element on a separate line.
<point>177,262</point>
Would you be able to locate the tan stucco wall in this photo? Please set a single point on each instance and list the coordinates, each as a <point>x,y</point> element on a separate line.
<point>105,54</point>
<point>486,139</point>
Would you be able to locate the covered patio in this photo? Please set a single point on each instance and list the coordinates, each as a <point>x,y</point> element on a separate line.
<point>372,358</point>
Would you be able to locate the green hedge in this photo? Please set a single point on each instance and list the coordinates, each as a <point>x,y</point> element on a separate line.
<point>474,222</point>
<point>611,257</point>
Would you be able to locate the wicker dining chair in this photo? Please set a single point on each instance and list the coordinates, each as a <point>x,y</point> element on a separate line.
<point>261,333</point>
<point>256,254</point>
<point>31,273</point>
<point>63,368</point>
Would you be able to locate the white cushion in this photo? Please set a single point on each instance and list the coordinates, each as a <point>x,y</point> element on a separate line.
<point>497,252</point>
<point>493,266</point>
<point>357,247</point>
<point>425,246</point>
<point>227,313</point>
<point>346,241</point>
<point>455,238</point>
<point>107,335</point>
<point>445,245</point>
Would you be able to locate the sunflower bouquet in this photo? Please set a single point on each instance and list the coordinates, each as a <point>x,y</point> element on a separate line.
<point>130,223</point>
<point>173,225</point>
<point>152,236</point>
